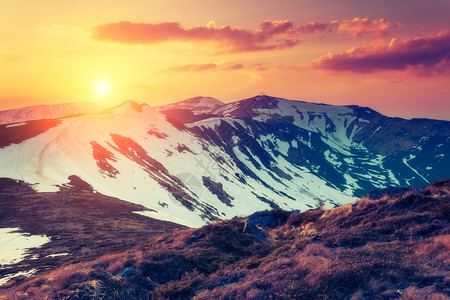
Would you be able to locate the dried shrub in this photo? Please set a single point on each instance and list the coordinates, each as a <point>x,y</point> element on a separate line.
<point>437,247</point>
<point>426,293</point>
<point>443,211</point>
<point>180,289</point>
<point>305,217</point>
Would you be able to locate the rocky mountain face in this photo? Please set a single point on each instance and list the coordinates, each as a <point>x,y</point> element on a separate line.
<point>200,160</point>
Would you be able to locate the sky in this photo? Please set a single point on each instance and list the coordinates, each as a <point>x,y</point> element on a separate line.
<point>393,56</point>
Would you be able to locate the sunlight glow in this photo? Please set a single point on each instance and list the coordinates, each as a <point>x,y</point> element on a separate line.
<point>102,88</point>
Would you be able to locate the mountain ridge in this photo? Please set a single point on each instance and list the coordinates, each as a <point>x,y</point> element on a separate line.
<point>196,167</point>
<point>50,111</point>
<point>191,101</point>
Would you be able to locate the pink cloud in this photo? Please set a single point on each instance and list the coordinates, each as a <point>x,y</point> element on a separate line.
<point>270,35</point>
<point>207,67</point>
<point>355,27</point>
<point>318,26</point>
<point>429,55</point>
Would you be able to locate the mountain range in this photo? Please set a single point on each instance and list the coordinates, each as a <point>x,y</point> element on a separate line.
<point>50,111</point>
<point>201,160</point>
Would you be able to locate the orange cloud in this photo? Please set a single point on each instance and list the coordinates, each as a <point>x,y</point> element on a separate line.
<point>428,55</point>
<point>358,27</point>
<point>195,67</point>
<point>270,35</point>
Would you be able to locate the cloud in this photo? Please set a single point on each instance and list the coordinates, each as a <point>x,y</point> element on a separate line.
<point>354,28</point>
<point>359,27</point>
<point>233,67</point>
<point>429,55</point>
<point>319,26</point>
<point>195,67</point>
<point>271,35</point>
<point>207,67</point>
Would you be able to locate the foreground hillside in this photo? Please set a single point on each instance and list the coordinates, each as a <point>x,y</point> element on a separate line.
<point>396,246</point>
<point>78,225</point>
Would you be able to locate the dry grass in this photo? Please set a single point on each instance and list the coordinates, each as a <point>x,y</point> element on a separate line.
<point>391,248</point>
<point>83,224</point>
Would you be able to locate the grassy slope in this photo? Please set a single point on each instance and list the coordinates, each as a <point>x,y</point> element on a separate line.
<point>83,224</point>
<point>394,247</point>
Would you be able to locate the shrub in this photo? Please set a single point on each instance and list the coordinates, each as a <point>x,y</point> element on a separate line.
<point>426,293</point>
<point>180,289</point>
<point>437,247</point>
<point>443,211</point>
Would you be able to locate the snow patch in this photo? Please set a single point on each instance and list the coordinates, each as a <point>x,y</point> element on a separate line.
<point>405,161</point>
<point>14,245</point>
<point>21,273</point>
<point>16,124</point>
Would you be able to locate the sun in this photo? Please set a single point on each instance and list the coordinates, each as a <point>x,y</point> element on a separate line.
<point>102,88</point>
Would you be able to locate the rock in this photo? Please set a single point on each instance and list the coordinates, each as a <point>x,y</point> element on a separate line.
<point>127,272</point>
<point>98,266</point>
<point>271,219</point>
<point>389,191</point>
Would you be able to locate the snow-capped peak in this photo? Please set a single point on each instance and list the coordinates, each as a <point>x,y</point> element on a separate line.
<point>194,166</point>
<point>197,105</point>
<point>128,106</point>
<point>51,111</point>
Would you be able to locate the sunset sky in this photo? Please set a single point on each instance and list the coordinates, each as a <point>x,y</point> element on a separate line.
<point>393,56</point>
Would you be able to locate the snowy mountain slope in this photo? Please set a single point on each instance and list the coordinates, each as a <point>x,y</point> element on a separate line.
<point>196,105</point>
<point>201,160</point>
<point>353,149</point>
<point>417,150</point>
<point>134,153</point>
<point>53,111</point>
<point>192,109</point>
